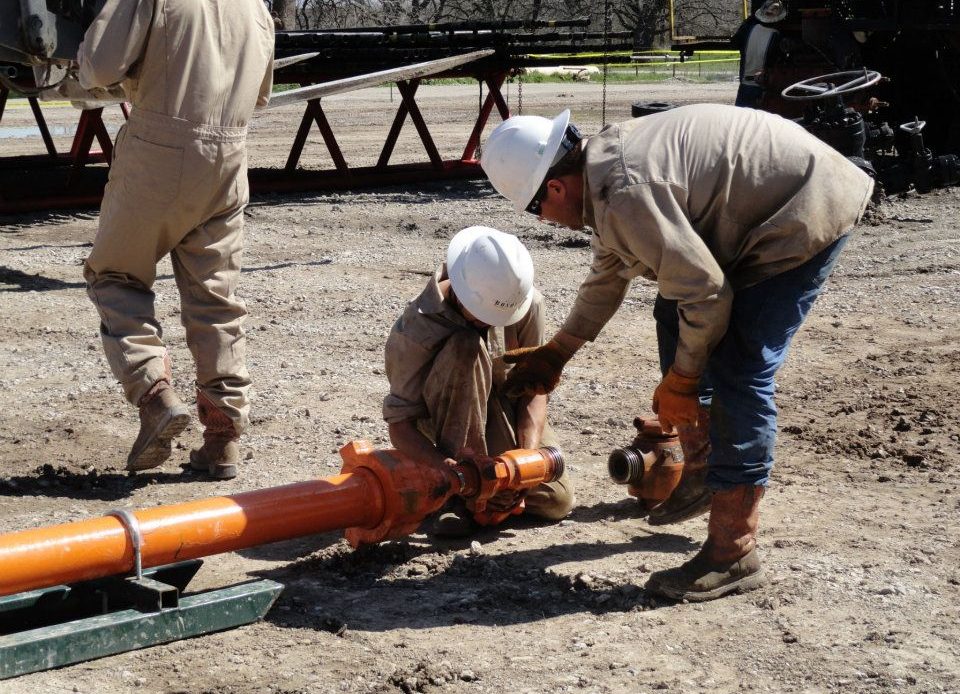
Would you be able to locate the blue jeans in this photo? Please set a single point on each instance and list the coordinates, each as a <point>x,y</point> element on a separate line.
<point>738,385</point>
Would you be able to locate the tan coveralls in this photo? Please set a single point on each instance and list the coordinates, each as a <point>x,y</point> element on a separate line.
<point>447,376</point>
<point>194,71</point>
<point>705,200</point>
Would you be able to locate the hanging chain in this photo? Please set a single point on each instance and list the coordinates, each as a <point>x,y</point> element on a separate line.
<point>520,92</point>
<point>479,116</point>
<point>606,61</point>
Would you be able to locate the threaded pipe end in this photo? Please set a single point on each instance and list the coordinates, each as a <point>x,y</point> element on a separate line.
<point>553,454</point>
<point>625,465</point>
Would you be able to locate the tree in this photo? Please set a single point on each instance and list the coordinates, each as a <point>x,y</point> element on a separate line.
<point>649,20</point>
<point>284,13</point>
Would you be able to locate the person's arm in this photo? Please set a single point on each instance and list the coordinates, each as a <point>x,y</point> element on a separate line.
<point>537,370</point>
<point>114,42</point>
<point>531,418</point>
<point>266,86</point>
<point>650,220</point>
<point>599,296</point>
<point>409,440</point>
<point>531,410</point>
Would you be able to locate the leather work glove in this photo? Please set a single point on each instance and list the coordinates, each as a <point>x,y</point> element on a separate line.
<point>506,501</point>
<point>675,400</point>
<point>537,369</point>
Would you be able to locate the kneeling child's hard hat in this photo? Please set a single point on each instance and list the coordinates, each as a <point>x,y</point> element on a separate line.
<point>491,273</point>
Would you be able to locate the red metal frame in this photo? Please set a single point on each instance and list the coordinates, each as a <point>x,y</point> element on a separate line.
<point>494,83</point>
<point>83,184</point>
<point>42,124</point>
<point>408,106</point>
<point>314,114</point>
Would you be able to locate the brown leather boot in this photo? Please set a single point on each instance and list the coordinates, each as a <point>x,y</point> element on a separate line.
<point>691,498</point>
<point>162,418</point>
<point>454,521</point>
<point>220,452</point>
<point>728,561</point>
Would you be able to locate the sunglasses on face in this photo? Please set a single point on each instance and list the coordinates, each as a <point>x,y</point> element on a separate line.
<point>536,205</point>
<point>570,139</point>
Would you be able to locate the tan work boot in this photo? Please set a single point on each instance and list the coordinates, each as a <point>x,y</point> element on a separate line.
<point>220,453</point>
<point>691,498</point>
<point>454,521</point>
<point>728,561</point>
<point>162,418</point>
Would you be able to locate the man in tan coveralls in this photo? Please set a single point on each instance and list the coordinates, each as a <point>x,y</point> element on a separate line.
<point>446,372</point>
<point>739,216</point>
<point>194,71</point>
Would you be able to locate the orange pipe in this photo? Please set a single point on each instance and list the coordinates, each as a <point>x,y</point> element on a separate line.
<point>379,494</point>
<point>100,547</point>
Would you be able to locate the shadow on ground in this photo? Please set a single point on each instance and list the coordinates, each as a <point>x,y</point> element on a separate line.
<point>20,281</point>
<point>420,584</point>
<point>105,485</point>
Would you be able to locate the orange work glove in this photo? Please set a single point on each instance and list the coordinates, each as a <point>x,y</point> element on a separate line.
<point>675,400</point>
<point>537,369</point>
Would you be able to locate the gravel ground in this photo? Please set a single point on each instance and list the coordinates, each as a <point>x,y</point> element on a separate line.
<point>860,529</point>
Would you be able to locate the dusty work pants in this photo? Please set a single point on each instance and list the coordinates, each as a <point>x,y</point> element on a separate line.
<point>175,188</point>
<point>467,411</point>
<point>738,385</point>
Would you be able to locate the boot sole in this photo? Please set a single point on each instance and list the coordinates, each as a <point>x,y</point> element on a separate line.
<point>218,471</point>
<point>743,585</point>
<point>699,508</point>
<point>157,448</point>
<point>222,472</point>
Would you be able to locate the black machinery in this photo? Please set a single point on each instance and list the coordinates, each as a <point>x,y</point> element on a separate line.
<point>809,59</point>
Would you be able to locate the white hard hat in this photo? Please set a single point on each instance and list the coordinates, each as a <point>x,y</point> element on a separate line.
<point>519,153</point>
<point>491,273</point>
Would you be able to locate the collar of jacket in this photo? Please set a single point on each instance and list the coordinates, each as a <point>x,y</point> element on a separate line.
<point>589,219</point>
<point>432,302</point>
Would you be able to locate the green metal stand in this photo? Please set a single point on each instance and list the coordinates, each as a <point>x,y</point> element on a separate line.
<point>62,625</point>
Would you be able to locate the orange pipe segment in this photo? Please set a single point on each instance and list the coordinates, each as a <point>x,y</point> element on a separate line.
<point>71,552</point>
<point>379,494</point>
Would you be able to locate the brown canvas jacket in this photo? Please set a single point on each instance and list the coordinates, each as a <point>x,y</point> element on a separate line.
<point>707,199</point>
<point>422,330</point>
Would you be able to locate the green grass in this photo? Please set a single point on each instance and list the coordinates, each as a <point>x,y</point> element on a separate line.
<point>703,66</point>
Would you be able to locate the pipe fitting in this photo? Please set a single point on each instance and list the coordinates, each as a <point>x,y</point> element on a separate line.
<point>651,465</point>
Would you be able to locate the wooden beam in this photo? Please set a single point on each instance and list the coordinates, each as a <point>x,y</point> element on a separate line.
<point>292,60</point>
<point>372,79</point>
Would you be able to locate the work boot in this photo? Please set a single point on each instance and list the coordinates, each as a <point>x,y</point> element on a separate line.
<point>220,452</point>
<point>728,561</point>
<point>454,521</point>
<point>691,498</point>
<point>162,418</point>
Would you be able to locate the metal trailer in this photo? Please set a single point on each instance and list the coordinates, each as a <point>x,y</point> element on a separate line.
<point>401,55</point>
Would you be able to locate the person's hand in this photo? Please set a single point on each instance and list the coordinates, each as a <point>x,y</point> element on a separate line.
<point>675,400</point>
<point>536,370</point>
<point>505,501</point>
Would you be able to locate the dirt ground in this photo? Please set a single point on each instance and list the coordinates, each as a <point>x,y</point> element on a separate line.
<point>860,529</point>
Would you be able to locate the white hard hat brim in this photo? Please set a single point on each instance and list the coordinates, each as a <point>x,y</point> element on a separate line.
<point>557,131</point>
<point>516,315</point>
